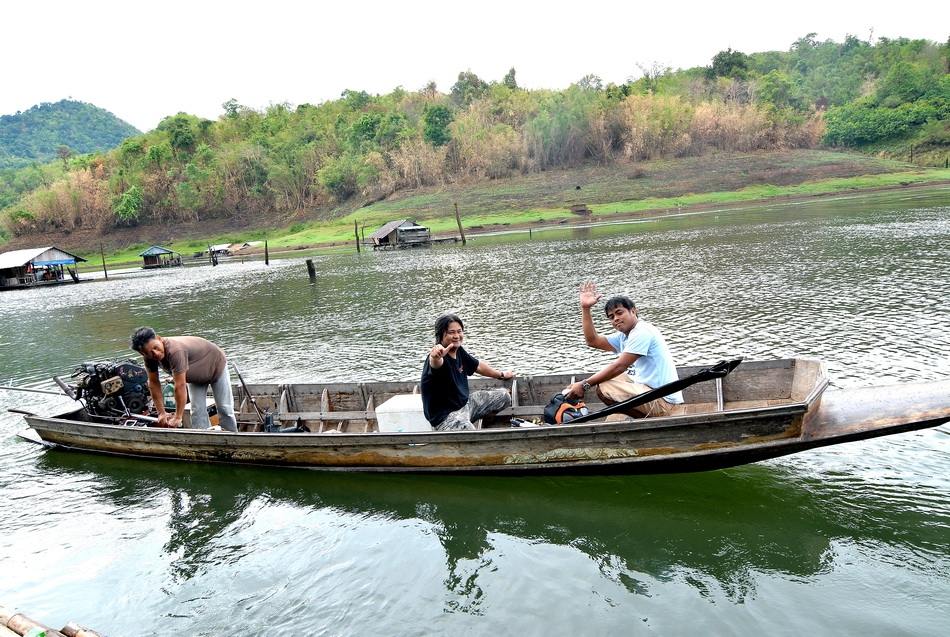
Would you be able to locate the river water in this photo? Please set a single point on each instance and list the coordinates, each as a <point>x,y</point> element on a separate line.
<point>853,539</point>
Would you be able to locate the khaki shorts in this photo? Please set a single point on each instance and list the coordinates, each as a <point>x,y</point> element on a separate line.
<point>621,388</point>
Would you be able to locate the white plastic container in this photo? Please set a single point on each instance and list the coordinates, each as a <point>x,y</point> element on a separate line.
<point>402,413</point>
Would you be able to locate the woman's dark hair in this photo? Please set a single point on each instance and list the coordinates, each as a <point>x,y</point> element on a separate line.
<point>614,301</point>
<point>142,336</point>
<point>442,325</point>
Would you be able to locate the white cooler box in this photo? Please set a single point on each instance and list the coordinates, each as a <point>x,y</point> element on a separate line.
<point>402,413</point>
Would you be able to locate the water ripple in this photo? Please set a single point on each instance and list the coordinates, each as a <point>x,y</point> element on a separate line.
<point>858,282</point>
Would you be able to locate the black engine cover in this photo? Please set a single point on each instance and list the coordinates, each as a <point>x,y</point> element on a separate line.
<point>97,384</point>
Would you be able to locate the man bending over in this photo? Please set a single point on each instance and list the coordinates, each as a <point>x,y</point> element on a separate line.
<point>190,360</point>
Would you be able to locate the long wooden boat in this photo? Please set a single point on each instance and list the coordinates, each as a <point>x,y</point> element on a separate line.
<point>761,410</point>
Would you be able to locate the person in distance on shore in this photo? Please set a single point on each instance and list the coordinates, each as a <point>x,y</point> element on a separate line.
<point>643,363</point>
<point>190,360</point>
<point>446,400</point>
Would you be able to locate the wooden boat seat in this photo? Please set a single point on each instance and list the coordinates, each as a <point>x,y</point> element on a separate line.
<point>689,409</point>
<point>326,415</point>
<point>753,404</point>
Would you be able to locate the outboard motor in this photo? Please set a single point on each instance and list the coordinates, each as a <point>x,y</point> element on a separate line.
<point>113,388</point>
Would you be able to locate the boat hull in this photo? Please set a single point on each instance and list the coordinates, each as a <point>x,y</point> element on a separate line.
<point>659,445</point>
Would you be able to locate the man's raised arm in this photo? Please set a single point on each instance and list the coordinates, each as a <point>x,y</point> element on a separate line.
<point>588,298</point>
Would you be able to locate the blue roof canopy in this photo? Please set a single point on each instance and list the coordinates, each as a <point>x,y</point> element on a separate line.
<point>155,251</point>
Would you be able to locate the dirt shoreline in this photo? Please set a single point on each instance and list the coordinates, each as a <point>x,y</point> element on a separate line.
<point>583,220</point>
<point>650,213</point>
<point>594,219</point>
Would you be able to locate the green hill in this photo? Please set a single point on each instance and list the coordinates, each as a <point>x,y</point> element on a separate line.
<point>38,133</point>
<point>322,162</point>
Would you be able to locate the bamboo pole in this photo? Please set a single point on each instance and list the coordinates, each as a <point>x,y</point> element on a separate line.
<point>312,271</point>
<point>458,220</point>
<point>356,233</point>
<point>266,253</point>
<point>14,624</point>
<point>35,391</point>
<point>21,625</point>
<point>72,629</point>
<point>103,254</point>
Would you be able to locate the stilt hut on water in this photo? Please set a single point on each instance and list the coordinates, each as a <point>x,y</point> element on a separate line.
<point>37,266</point>
<point>403,233</point>
<point>160,257</point>
<point>220,250</point>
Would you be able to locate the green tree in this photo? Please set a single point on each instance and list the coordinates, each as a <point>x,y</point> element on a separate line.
<point>509,79</point>
<point>652,74</point>
<point>158,155</point>
<point>345,175</point>
<point>64,153</point>
<point>903,83</point>
<point>181,132</point>
<point>468,88</point>
<point>778,89</point>
<point>364,129</point>
<point>355,100</point>
<point>393,129</point>
<point>590,82</point>
<point>128,206</point>
<point>437,118</point>
<point>231,108</point>
<point>729,63</point>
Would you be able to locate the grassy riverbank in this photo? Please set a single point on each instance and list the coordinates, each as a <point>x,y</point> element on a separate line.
<point>611,192</point>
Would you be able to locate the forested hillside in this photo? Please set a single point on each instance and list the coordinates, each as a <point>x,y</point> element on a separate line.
<point>48,131</point>
<point>329,158</point>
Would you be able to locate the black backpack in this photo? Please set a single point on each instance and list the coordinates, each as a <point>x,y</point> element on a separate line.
<point>562,410</point>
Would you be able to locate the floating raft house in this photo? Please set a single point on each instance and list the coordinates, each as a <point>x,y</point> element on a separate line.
<point>37,266</point>
<point>160,257</point>
<point>403,233</point>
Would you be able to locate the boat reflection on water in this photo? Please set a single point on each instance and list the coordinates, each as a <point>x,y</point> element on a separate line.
<point>719,527</point>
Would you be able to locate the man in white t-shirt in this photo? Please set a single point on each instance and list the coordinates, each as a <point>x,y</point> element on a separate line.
<point>643,362</point>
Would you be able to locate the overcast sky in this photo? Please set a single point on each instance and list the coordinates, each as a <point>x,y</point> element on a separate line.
<point>144,60</point>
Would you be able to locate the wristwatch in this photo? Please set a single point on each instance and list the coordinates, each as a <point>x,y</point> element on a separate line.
<point>586,386</point>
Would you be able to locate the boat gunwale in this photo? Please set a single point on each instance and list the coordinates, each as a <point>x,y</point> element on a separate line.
<point>373,438</point>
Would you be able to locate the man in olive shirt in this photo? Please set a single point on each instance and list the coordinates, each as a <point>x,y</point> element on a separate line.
<point>192,360</point>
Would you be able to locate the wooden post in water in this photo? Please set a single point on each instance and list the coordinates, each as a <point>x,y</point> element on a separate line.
<point>266,253</point>
<point>356,233</point>
<point>529,233</point>
<point>103,254</point>
<point>458,220</point>
<point>311,270</point>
